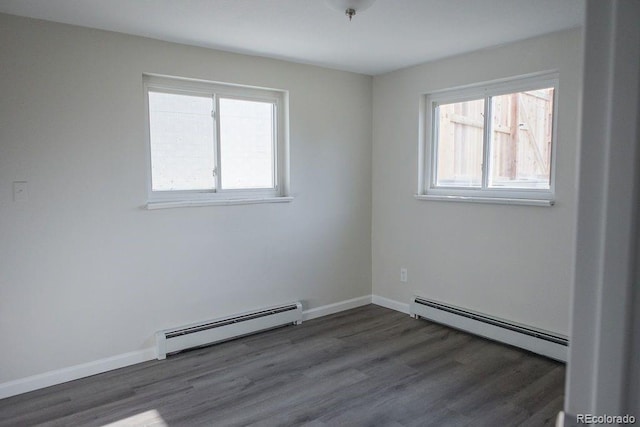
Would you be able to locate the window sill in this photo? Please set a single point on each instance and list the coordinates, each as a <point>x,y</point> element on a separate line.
<point>493,200</point>
<point>224,202</point>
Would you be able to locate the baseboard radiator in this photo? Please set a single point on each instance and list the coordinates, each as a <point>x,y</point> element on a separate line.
<point>526,337</point>
<point>226,328</point>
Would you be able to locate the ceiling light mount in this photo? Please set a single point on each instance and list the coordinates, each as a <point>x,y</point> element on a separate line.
<point>349,7</point>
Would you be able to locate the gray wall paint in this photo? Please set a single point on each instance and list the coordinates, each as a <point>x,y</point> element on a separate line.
<point>513,262</point>
<point>85,272</point>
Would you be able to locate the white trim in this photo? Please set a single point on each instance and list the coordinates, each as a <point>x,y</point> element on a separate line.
<point>199,203</point>
<point>493,332</point>
<point>495,88</point>
<point>228,327</point>
<point>494,200</point>
<point>200,85</point>
<point>496,82</point>
<point>428,129</point>
<point>59,376</point>
<point>216,90</point>
<point>390,303</point>
<point>325,310</point>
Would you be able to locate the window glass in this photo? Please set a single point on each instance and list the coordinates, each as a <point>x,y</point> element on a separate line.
<point>521,136</point>
<point>181,138</point>
<point>246,144</point>
<point>459,144</point>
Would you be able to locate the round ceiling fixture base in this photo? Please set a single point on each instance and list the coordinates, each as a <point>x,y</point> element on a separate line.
<point>349,7</point>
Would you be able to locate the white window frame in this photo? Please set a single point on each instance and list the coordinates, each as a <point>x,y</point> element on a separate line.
<point>427,188</point>
<point>216,90</point>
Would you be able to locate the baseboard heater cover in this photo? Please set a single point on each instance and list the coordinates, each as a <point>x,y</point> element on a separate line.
<point>225,328</point>
<point>526,337</point>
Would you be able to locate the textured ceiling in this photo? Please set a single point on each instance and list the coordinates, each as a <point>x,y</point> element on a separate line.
<point>391,34</point>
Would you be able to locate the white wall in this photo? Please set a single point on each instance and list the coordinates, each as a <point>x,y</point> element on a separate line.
<point>514,262</point>
<point>85,272</point>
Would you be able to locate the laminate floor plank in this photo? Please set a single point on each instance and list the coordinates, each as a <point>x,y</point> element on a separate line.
<point>540,392</point>
<point>369,366</point>
<point>545,416</point>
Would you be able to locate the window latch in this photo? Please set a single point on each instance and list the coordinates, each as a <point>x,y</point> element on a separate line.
<point>214,171</point>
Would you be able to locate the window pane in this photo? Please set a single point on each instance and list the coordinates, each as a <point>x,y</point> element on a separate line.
<point>246,144</point>
<point>521,139</point>
<point>181,131</point>
<point>460,130</point>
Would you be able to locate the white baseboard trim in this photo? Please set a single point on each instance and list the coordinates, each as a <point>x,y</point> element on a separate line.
<point>59,376</point>
<point>517,335</point>
<point>390,303</point>
<point>325,310</point>
<point>495,333</point>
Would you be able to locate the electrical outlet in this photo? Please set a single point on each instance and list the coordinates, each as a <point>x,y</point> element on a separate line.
<point>403,275</point>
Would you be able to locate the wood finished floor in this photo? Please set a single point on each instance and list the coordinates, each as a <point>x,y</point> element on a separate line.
<point>368,366</point>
